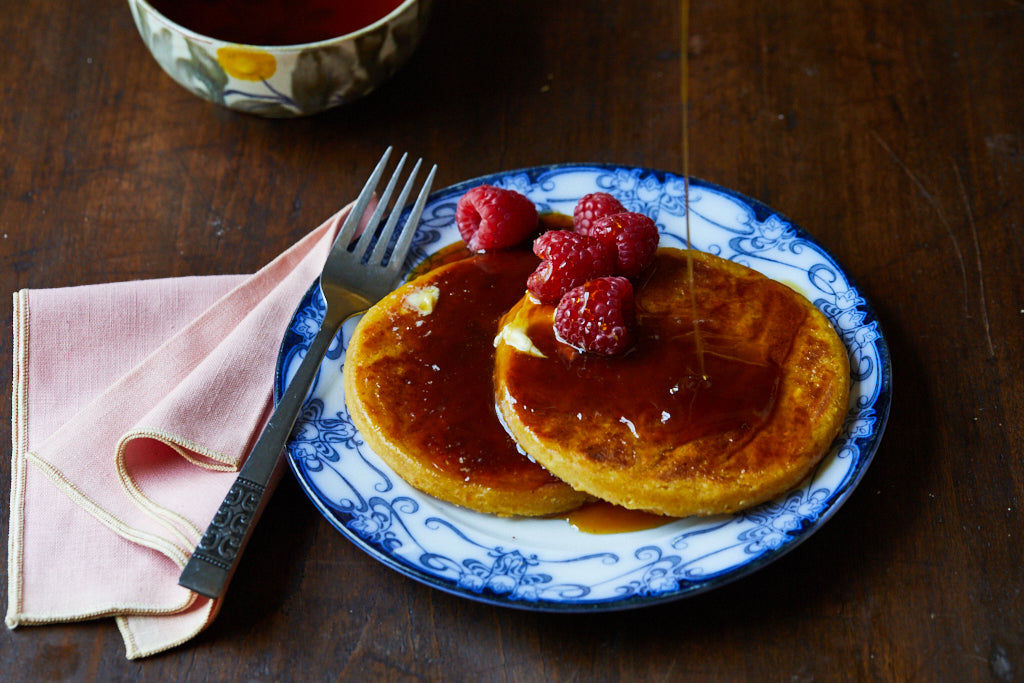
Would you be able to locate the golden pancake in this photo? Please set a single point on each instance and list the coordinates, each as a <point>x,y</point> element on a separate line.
<point>682,424</point>
<point>418,387</point>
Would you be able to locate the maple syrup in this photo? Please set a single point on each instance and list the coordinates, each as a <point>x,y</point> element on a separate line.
<point>447,397</point>
<point>666,391</point>
<point>274,22</point>
<point>604,518</point>
<point>684,97</point>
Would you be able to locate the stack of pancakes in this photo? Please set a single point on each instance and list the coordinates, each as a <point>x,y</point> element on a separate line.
<point>733,393</point>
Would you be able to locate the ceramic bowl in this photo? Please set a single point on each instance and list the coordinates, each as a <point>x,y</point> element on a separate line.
<point>284,81</point>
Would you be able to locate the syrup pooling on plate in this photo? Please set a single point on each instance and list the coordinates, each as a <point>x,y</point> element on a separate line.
<point>604,518</point>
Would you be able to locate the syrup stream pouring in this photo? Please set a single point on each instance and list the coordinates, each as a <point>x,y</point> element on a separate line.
<point>684,93</point>
<point>359,271</point>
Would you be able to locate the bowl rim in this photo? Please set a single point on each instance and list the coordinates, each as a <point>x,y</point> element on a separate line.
<point>194,35</point>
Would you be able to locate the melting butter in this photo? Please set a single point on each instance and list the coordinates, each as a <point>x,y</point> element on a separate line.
<point>423,300</point>
<point>514,334</point>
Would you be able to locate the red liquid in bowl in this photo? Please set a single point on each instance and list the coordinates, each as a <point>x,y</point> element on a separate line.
<point>274,22</point>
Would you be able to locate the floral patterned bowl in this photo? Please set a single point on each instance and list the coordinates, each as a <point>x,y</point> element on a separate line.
<point>284,81</point>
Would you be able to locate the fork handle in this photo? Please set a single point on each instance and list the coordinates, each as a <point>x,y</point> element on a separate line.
<point>216,556</point>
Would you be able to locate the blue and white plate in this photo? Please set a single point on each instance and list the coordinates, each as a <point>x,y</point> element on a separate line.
<point>546,564</point>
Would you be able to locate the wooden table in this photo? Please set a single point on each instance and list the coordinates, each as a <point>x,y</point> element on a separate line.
<point>892,131</point>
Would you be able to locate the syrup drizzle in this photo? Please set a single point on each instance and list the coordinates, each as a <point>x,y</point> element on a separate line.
<point>685,98</point>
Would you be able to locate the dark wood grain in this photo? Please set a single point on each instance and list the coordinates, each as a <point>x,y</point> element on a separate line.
<point>892,131</point>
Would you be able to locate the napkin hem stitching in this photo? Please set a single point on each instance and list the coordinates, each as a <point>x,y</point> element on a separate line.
<point>132,649</point>
<point>183,447</point>
<point>143,538</point>
<point>130,646</point>
<point>19,437</point>
<point>116,612</point>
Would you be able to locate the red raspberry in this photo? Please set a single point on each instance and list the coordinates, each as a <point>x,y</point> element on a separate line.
<point>490,217</point>
<point>598,316</point>
<point>593,206</point>
<point>634,235</point>
<point>570,259</point>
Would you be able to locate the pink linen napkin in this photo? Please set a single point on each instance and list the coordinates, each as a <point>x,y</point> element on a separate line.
<point>134,404</point>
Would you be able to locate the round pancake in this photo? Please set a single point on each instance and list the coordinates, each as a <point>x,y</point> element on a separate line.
<point>682,424</point>
<point>418,385</point>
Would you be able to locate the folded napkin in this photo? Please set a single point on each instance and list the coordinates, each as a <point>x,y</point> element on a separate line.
<point>134,405</point>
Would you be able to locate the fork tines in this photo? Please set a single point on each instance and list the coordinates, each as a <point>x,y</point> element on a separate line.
<point>377,245</point>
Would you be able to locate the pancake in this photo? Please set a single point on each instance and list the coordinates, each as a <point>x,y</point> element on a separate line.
<point>682,424</point>
<point>418,386</point>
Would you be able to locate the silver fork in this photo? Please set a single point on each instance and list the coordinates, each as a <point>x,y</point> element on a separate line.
<point>353,279</point>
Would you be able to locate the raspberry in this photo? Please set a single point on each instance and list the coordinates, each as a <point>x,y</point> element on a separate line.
<point>598,316</point>
<point>634,235</point>
<point>593,206</point>
<point>570,259</point>
<point>490,217</point>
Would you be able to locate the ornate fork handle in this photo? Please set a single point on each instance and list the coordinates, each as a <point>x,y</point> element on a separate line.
<point>224,537</point>
<point>213,562</point>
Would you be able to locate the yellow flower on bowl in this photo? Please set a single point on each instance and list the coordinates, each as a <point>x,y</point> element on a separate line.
<point>246,64</point>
